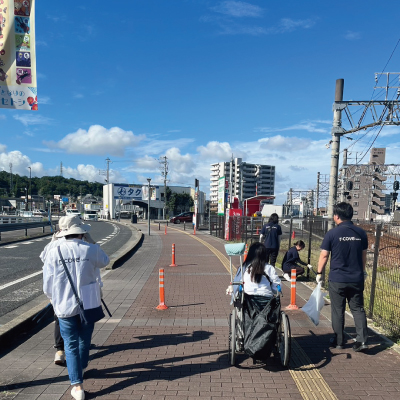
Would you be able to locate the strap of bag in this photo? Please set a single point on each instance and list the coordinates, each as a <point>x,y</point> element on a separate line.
<point>69,277</point>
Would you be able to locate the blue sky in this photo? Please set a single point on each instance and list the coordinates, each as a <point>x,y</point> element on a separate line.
<point>197,81</point>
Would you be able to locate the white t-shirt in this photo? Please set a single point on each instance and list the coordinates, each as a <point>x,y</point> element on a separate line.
<point>83,261</point>
<point>264,287</point>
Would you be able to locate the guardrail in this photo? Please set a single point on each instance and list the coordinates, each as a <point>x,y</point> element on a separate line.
<point>25,226</point>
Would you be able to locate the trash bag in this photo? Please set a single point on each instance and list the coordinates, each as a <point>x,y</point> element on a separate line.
<point>260,322</point>
<point>314,305</point>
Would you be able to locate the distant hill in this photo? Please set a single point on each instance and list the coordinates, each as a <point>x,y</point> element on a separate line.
<point>47,186</point>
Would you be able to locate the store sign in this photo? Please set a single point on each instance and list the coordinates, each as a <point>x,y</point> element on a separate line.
<point>18,87</point>
<point>126,192</point>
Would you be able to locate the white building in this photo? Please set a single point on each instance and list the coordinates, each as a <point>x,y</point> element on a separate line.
<point>245,180</point>
<point>124,197</point>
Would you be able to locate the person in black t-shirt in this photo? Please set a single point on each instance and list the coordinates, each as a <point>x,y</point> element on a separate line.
<point>271,234</point>
<point>347,245</point>
<point>291,260</point>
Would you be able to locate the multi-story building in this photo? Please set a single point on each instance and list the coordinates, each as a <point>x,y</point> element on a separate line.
<point>244,180</point>
<point>366,190</point>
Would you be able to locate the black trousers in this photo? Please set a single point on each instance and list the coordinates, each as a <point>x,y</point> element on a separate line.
<point>272,255</point>
<point>288,269</point>
<point>58,340</point>
<point>353,293</point>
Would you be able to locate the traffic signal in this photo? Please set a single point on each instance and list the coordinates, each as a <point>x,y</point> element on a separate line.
<point>196,183</point>
<point>396,186</point>
<point>394,196</point>
<point>349,185</point>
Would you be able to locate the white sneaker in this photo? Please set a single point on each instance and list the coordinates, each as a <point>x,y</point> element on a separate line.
<point>59,358</point>
<point>78,394</point>
<point>287,277</point>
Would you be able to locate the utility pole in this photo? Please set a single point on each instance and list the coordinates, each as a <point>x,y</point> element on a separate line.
<point>11,181</point>
<point>317,196</point>
<point>164,174</point>
<point>337,132</point>
<point>30,187</point>
<point>61,169</point>
<point>108,187</point>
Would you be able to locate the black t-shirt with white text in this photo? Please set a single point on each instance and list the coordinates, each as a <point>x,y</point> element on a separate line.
<point>346,243</point>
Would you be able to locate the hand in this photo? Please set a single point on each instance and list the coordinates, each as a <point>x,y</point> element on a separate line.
<point>309,266</point>
<point>101,293</point>
<point>318,278</point>
<point>229,289</point>
<point>88,238</point>
<point>365,275</point>
<point>279,289</point>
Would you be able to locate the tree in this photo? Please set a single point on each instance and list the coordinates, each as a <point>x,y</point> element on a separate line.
<point>179,202</point>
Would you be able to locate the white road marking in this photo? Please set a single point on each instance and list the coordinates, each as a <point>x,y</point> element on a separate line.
<point>20,280</point>
<point>9,247</point>
<point>26,242</point>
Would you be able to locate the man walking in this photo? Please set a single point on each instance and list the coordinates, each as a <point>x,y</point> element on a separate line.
<point>347,244</point>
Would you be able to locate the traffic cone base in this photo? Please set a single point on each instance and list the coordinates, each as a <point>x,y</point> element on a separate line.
<point>292,307</point>
<point>161,307</point>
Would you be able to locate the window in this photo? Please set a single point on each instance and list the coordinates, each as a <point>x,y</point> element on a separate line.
<point>355,195</point>
<point>355,213</point>
<point>356,187</point>
<point>357,179</point>
<point>355,203</point>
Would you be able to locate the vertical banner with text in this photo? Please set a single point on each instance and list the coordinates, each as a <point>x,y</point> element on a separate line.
<point>18,86</point>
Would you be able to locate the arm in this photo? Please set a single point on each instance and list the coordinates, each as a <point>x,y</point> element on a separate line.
<point>364,259</point>
<point>270,271</point>
<point>47,280</point>
<point>323,259</point>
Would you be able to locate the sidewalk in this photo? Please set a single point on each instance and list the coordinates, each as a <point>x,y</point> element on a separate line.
<point>182,352</point>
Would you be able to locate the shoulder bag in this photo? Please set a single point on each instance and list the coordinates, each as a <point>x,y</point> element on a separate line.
<point>91,315</point>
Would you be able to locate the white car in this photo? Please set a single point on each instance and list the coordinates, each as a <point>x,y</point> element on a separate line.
<point>40,213</point>
<point>73,211</point>
<point>90,216</point>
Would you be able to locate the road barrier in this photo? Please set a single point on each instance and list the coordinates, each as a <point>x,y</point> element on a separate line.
<point>173,256</point>
<point>194,229</point>
<point>292,305</point>
<point>246,251</point>
<point>162,305</point>
<point>6,227</point>
<point>165,231</point>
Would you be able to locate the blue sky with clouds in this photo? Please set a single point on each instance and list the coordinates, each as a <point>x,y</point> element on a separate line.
<point>197,81</point>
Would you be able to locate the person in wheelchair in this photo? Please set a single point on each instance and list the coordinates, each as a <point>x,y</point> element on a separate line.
<point>261,281</point>
<point>260,284</point>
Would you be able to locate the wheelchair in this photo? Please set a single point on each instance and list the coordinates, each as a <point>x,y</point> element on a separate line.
<point>282,347</point>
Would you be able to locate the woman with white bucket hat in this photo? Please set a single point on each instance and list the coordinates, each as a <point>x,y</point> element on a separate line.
<point>83,261</point>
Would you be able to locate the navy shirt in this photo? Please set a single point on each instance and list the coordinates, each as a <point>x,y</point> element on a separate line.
<point>291,257</point>
<point>346,243</point>
<point>271,232</point>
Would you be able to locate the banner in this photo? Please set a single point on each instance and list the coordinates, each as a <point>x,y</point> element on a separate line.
<point>221,196</point>
<point>18,86</point>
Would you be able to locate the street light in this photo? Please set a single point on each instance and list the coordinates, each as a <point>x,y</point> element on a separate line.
<point>30,187</point>
<point>148,210</point>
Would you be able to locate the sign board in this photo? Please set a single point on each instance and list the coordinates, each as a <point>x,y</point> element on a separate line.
<point>65,199</point>
<point>126,192</point>
<point>221,196</point>
<point>18,87</point>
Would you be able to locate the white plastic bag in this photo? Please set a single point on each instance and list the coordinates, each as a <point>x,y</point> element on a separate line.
<point>314,305</point>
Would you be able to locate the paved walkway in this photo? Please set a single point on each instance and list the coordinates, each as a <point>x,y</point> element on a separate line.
<point>182,352</point>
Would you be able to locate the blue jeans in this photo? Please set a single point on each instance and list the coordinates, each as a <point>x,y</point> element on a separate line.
<point>77,337</point>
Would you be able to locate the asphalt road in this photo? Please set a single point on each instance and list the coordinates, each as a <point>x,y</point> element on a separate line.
<point>21,268</point>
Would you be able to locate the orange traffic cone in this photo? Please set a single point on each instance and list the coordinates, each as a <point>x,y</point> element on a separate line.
<point>246,250</point>
<point>293,234</point>
<point>165,232</point>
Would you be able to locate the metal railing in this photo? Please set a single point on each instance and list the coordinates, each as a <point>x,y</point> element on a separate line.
<point>25,226</point>
<point>382,286</point>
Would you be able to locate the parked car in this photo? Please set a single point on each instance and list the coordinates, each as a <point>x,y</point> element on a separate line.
<point>90,216</point>
<point>40,213</point>
<point>73,211</point>
<point>183,217</point>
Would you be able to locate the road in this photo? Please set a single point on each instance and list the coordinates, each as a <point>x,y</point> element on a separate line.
<point>21,268</point>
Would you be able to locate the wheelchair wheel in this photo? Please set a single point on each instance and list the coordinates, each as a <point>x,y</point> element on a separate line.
<point>284,340</point>
<point>232,337</point>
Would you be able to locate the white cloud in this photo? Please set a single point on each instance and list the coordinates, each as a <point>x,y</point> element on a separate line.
<point>352,35</point>
<point>174,131</point>
<point>32,119</point>
<point>41,43</point>
<point>2,116</point>
<point>91,173</point>
<point>309,126</point>
<point>238,9</point>
<point>78,96</point>
<point>216,150</point>
<point>20,163</point>
<point>284,144</point>
<point>289,25</point>
<point>180,163</point>
<point>390,130</point>
<point>3,148</point>
<point>158,147</point>
<point>44,100</point>
<point>98,141</point>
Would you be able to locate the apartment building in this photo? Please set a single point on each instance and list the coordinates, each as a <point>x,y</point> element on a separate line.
<point>245,180</point>
<point>366,190</point>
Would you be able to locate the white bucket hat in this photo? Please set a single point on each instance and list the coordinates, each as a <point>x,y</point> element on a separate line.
<point>72,226</point>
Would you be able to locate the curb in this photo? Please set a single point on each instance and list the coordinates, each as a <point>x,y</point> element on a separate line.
<point>24,322</point>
